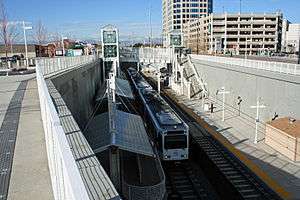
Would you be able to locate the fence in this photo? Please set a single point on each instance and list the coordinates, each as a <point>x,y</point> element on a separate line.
<point>7,65</point>
<point>286,68</point>
<point>60,64</point>
<point>147,55</point>
<point>154,192</point>
<point>65,176</point>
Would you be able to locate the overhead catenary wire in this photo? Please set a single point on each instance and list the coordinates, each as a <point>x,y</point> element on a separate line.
<point>132,106</point>
<point>94,112</point>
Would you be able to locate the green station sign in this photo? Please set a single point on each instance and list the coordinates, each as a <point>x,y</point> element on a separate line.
<point>110,51</point>
<point>109,37</point>
<point>175,40</point>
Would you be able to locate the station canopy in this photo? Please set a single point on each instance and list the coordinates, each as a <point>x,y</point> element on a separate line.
<point>130,134</point>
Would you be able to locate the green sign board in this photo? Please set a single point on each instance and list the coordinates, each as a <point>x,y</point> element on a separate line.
<point>175,40</point>
<point>109,37</point>
<point>110,51</point>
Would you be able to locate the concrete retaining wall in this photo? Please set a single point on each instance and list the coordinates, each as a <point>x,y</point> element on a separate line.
<point>78,89</point>
<point>279,92</point>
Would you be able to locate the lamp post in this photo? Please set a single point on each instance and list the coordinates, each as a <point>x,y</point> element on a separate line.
<point>25,41</point>
<point>257,107</point>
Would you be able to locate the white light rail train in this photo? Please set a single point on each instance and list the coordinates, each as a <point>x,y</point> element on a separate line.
<point>169,131</point>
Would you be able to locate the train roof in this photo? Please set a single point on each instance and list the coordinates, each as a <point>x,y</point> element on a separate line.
<point>140,82</point>
<point>163,113</point>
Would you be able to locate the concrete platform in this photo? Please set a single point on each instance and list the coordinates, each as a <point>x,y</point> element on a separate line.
<point>24,172</point>
<point>239,130</point>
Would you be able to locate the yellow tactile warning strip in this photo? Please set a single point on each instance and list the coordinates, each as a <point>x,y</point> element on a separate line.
<point>240,155</point>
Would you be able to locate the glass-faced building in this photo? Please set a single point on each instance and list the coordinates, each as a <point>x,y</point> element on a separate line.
<point>176,13</point>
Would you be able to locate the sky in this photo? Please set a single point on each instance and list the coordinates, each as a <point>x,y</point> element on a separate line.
<point>83,19</point>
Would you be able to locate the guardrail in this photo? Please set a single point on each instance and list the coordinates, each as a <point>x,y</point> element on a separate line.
<point>65,176</point>
<point>286,68</point>
<point>60,64</point>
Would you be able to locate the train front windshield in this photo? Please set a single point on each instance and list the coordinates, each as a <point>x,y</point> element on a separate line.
<point>175,142</point>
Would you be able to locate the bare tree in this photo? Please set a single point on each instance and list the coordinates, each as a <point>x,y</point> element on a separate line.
<point>14,34</point>
<point>8,30</point>
<point>41,35</point>
<point>4,30</point>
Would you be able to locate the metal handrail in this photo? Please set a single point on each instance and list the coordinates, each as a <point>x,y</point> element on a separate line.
<point>280,67</point>
<point>200,81</point>
<point>60,64</point>
<point>65,176</point>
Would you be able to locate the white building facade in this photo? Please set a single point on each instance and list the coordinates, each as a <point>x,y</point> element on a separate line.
<point>292,38</point>
<point>250,33</point>
<point>176,13</point>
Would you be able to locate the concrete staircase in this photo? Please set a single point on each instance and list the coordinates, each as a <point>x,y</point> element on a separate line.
<point>198,90</point>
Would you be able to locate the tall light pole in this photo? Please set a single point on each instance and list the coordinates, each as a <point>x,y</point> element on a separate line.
<point>257,107</point>
<point>25,41</point>
<point>224,92</point>
<point>150,23</point>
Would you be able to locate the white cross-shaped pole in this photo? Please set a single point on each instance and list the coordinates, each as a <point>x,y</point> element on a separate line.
<point>203,84</point>
<point>258,106</point>
<point>224,92</point>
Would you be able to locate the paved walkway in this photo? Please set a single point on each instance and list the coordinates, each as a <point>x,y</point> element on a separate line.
<point>239,130</point>
<point>24,172</point>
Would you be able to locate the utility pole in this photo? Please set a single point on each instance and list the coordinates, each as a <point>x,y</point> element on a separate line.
<point>257,107</point>
<point>224,92</point>
<point>150,24</point>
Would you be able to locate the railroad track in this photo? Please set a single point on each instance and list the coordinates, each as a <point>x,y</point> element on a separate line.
<point>230,177</point>
<point>183,184</point>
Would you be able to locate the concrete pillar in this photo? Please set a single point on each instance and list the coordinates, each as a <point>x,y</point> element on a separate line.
<point>114,161</point>
<point>225,34</point>
<point>103,75</point>
<point>181,79</point>
<point>211,33</point>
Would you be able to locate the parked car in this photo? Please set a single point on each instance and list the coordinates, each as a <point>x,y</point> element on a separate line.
<point>16,57</point>
<point>4,59</point>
